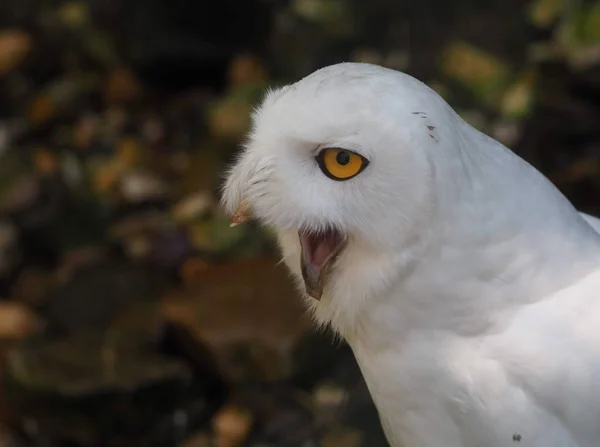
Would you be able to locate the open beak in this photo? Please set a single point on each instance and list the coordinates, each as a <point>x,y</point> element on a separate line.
<point>319,251</point>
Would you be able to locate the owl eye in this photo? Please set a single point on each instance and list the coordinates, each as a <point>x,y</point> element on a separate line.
<point>341,164</point>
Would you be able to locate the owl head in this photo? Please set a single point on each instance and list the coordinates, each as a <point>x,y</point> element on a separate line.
<point>339,165</point>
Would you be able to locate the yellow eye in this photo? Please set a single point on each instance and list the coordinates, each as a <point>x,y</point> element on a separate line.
<point>341,164</point>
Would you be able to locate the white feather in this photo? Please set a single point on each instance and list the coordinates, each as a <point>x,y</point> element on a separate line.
<point>469,288</point>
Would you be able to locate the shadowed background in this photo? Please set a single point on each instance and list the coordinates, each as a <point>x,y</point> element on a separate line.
<point>131,314</point>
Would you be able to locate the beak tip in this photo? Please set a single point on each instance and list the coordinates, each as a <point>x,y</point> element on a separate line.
<point>314,292</point>
<point>241,215</point>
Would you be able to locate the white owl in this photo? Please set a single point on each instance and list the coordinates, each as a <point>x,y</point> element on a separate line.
<point>466,284</point>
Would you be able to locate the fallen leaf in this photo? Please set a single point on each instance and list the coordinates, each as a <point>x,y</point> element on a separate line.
<point>122,86</point>
<point>15,46</point>
<point>16,320</point>
<point>45,162</point>
<point>231,426</point>
<point>41,109</point>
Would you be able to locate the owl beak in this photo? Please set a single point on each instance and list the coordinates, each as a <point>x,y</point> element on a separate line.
<point>319,252</point>
<point>242,214</point>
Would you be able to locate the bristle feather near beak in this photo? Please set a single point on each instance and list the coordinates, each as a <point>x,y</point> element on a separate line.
<point>242,214</point>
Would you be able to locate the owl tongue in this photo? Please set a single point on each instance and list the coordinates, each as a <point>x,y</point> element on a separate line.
<point>318,253</point>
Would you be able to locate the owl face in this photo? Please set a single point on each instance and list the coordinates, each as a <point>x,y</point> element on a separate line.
<point>338,164</point>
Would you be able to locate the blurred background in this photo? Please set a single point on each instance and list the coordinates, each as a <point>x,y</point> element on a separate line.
<point>131,314</point>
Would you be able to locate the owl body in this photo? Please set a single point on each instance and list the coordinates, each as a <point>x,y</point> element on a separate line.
<point>463,280</point>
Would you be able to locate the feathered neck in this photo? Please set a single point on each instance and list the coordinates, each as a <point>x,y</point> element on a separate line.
<point>502,236</point>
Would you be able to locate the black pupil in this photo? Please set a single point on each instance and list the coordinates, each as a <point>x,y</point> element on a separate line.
<point>343,158</point>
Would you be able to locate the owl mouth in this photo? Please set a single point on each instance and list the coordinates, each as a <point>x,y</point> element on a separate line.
<point>319,251</point>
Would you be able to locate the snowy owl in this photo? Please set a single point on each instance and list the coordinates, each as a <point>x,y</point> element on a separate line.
<point>466,284</point>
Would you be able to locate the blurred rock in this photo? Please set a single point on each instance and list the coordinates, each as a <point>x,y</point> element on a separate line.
<point>253,325</point>
<point>104,390</point>
<point>15,46</point>
<point>96,295</point>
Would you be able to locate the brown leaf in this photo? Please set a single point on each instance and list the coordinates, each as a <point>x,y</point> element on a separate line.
<point>42,109</point>
<point>231,426</point>
<point>16,321</point>
<point>122,86</point>
<point>45,162</point>
<point>15,46</point>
